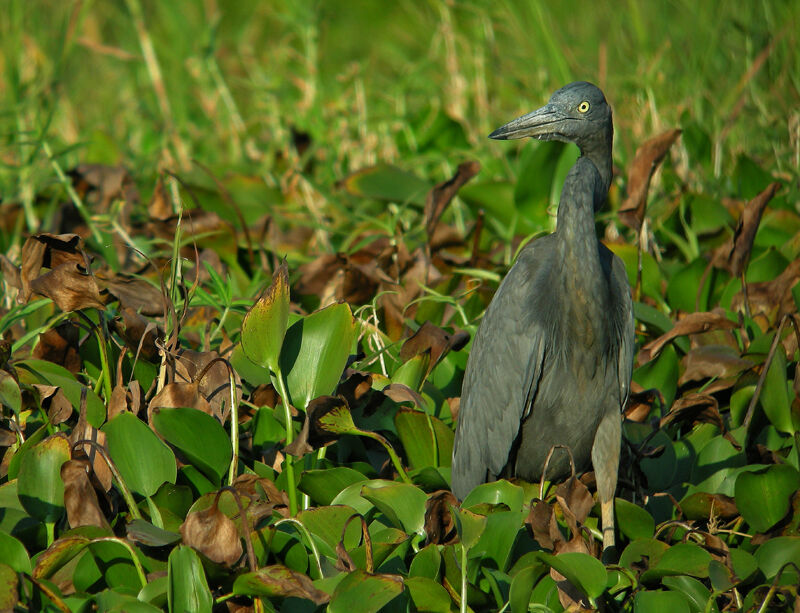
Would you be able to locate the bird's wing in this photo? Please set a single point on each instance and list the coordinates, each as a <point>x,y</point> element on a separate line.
<point>502,375</point>
<point>624,315</point>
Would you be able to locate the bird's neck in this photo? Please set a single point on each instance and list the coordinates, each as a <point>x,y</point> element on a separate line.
<point>598,150</point>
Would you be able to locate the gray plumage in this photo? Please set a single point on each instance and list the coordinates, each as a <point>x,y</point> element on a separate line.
<point>552,359</point>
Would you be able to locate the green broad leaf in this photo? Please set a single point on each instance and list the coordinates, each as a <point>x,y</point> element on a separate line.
<point>401,503</point>
<point>426,563</point>
<point>496,492</point>
<point>428,595</point>
<point>633,521</point>
<point>39,485</point>
<point>660,470</point>
<point>496,198</point>
<point>660,373</point>
<point>411,373</point>
<point>422,435</point>
<point>661,601</point>
<point>10,396</point>
<point>327,524</point>
<point>248,370</point>
<point>57,555</point>
<point>13,553</point>
<point>720,575</point>
<point>187,588</point>
<point>775,553</point>
<point>695,592</point>
<point>389,183</point>
<point>144,532</point>
<point>498,537</point>
<point>9,587</point>
<point>115,566</point>
<point>113,600</point>
<point>763,497</point>
<point>682,288</point>
<point>49,373</point>
<point>143,461</point>
<point>584,572</point>
<point>651,273</point>
<point>680,559</point>
<point>522,586</point>
<point>351,497</point>
<point>323,485</point>
<point>365,593</point>
<point>776,397</point>
<point>643,551</point>
<point>315,353</point>
<point>265,324</point>
<point>469,525</point>
<point>199,437</point>
<point>155,592</point>
<point>278,581</point>
<point>34,439</point>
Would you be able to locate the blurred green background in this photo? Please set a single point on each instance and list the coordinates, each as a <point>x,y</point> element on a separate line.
<point>153,83</point>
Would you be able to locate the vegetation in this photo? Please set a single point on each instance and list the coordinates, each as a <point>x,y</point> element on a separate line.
<point>244,247</point>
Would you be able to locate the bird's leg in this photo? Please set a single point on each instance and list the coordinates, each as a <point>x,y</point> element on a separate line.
<point>605,459</point>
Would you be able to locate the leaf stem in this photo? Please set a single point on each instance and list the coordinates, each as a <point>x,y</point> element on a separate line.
<point>287,418</point>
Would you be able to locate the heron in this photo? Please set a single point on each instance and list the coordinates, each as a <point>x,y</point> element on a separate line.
<point>551,363</point>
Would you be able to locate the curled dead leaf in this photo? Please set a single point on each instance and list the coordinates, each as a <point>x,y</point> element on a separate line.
<point>647,159</point>
<point>440,526</point>
<point>213,534</point>
<point>692,323</point>
<point>80,499</point>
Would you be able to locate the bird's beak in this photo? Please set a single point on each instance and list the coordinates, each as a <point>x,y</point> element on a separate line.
<point>541,123</point>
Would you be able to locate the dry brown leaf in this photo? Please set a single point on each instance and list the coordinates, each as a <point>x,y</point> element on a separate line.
<point>435,340</point>
<point>698,408</point>
<point>178,396</point>
<point>60,345</point>
<point>440,527</point>
<point>575,496</point>
<point>441,195</point>
<point>713,361</point>
<point>138,331</point>
<point>771,299</point>
<point>542,522</point>
<point>647,159</point>
<point>692,323</point>
<point>214,383</point>
<point>213,534</point>
<point>80,499</point>
<point>59,408</point>
<point>133,293</point>
<point>99,185</point>
<point>159,206</point>
<point>735,255</point>
<point>71,286</point>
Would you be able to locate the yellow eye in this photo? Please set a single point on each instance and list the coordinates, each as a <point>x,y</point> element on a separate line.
<point>583,107</point>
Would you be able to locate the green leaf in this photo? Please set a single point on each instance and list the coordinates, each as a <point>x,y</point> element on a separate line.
<point>496,492</point>
<point>187,588</point>
<point>199,437</point>
<point>264,326</point>
<point>680,559</point>
<point>365,593</point>
<point>522,586</point>
<point>660,373</point>
<point>327,524</point>
<point>469,525</point>
<point>324,485</point>
<point>39,485</point>
<point>643,550</point>
<point>411,373</point>
<point>426,563</point>
<point>776,396</point>
<point>428,595</point>
<point>401,503</point>
<point>10,396</point>
<point>141,458</point>
<point>418,433</point>
<point>498,537</point>
<point>584,572</point>
<point>661,601</point>
<point>144,532</point>
<point>763,497</point>
<point>695,592</point>
<point>13,553</point>
<point>777,552</point>
<point>278,581</point>
<point>49,373</point>
<point>633,521</point>
<point>315,352</point>
<point>387,182</point>
<point>57,555</point>
<point>9,585</point>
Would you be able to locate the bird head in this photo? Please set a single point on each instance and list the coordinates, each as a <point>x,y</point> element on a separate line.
<point>577,113</point>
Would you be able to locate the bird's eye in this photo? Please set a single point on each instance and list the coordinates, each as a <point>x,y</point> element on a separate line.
<point>583,107</point>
